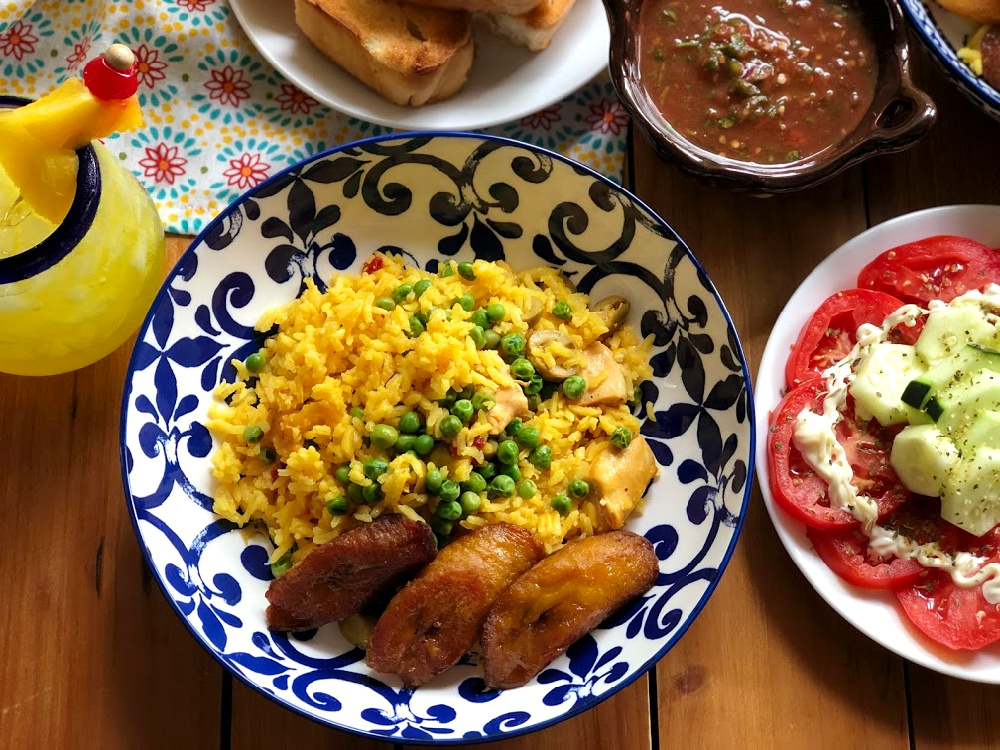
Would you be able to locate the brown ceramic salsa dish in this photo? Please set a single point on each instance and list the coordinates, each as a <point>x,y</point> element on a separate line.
<point>765,81</point>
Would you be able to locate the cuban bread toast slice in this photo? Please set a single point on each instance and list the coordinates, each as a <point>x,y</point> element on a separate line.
<point>535,28</point>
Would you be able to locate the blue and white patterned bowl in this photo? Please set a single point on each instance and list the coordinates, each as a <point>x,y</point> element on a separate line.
<point>943,33</point>
<point>431,197</point>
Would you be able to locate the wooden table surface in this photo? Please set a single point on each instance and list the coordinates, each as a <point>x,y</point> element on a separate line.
<point>92,656</point>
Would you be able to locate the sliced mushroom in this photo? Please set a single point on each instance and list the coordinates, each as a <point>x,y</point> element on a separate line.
<point>532,309</point>
<point>537,341</point>
<point>613,310</point>
<point>621,478</point>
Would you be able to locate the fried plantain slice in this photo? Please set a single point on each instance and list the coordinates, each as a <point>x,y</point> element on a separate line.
<point>989,48</point>
<point>348,572</point>
<point>438,616</point>
<point>559,600</point>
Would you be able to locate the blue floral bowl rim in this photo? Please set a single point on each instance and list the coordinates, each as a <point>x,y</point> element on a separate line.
<point>581,705</point>
<point>961,74</point>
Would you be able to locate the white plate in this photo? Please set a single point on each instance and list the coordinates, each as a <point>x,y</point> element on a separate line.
<point>505,84</point>
<point>876,614</point>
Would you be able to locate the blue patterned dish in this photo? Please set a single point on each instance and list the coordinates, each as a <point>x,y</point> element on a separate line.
<point>430,197</point>
<point>943,33</point>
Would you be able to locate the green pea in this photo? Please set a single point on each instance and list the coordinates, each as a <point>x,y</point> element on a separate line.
<point>480,319</point>
<point>528,437</point>
<point>385,303</point>
<point>449,490</point>
<point>541,457</point>
<point>281,566</point>
<point>355,493</point>
<point>547,390</point>
<point>578,488</point>
<point>478,336</point>
<point>450,426</point>
<point>475,483</point>
<point>357,412</point>
<point>466,270</point>
<point>535,385</point>
<point>495,312</point>
<point>561,504</point>
<point>514,427</point>
<point>252,433</point>
<point>467,303</point>
<point>574,386</point>
<point>410,423</point>
<point>337,506</point>
<point>561,310</point>
<point>384,436</point>
<point>636,395</point>
<point>501,486</point>
<point>470,502</point>
<point>463,409</point>
<point>255,362</point>
<point>512,471</point>
<point>522,369</point>
<point>449,510</point>
<point>449,400</point>
<point>446,270</point>
<point>512,345</point>
<point>441,526</point>
<point>468,392</point>
<point>268,454</point>
<point>507,452</point>
<point>433,481</point>
<point>422,286</point>
<point>423,317</point>
<point>492,339</point>
<point>527,489</point>
<point>343,474</point>
<point>372,493</point>
<point>416,326</point>
<point>621,438</point>
<point>483,401</point>
<point>487,471</point>
<point>375,467</point>
<point>423,445</point>
<point>405,443</point>
<point>534,401</point>
<point>401,292</point>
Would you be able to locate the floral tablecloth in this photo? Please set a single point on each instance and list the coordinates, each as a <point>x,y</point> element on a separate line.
<point>219,118</point>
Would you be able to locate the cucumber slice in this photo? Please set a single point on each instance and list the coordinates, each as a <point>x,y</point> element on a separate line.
<point>880,380</point>
<point>949,329</point>
<point>983,432</point>
<point>923,458</point>
<point>971,496</point>
<point>963,402</point>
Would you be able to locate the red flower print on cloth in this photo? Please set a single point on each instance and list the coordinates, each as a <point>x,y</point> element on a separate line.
<point>81,50</point>
<point>544,119</point>
<point>194,6</point>
<point>227,85</point>
<point>294,100</point>
<point>247,171</point>
<point>607,116</point>
<point>19,40</point>
<point>148,66</point>
<point>163,164</point>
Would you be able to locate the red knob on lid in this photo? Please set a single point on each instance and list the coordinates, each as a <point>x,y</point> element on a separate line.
<point>112,76</point>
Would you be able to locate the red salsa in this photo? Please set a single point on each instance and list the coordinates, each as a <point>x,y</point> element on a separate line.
<point>763,81</point>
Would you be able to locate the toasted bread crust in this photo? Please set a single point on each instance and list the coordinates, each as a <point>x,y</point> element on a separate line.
<point>408,54</point>
<point>534,29</point>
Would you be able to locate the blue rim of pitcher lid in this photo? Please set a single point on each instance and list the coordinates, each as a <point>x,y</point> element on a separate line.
<point>70,231</point>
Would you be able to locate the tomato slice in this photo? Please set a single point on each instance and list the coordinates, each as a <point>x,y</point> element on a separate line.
<point>846,553</point>
<point>955,617</point>
<point>800,492</point>
<point>940,267</point>
<point>830,334</point>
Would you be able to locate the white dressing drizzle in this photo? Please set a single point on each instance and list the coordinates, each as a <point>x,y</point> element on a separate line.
<point>815,437</point>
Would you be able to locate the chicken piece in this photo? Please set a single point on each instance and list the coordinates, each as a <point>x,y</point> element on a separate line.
<point>438,616</point>
<point>989,48</point>
<point>621,478</point>
<point>561,599</point>
<point>510,402</point>
<point>348,572</point>
<point>600,363</point>
<point>613,311</point>
<point>982,11</point>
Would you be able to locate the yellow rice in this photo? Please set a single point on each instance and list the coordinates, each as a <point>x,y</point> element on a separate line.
<point>336,350</point>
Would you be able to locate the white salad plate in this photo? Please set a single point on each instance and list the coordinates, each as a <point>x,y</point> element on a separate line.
<point>506,82</point>
<point>876,614</point>
<point>428,199</point>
